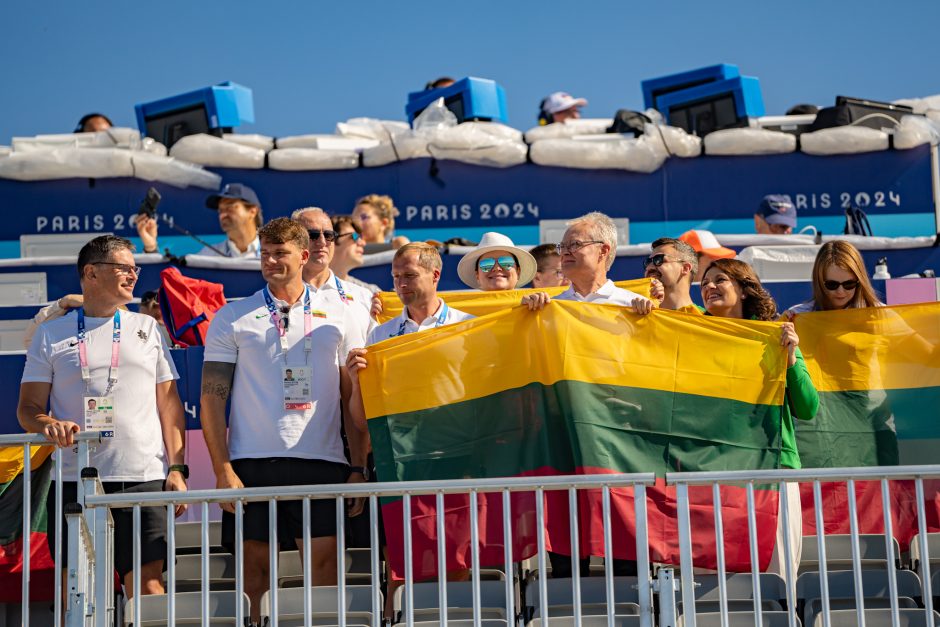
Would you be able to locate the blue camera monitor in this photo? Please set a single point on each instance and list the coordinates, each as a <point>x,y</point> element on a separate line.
<point>654,88</point>
<point>713,106</point>
<point>212,110</point>
<point>469,99</point>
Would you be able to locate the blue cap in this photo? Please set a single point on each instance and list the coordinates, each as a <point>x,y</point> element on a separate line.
<point>235,191</point>
<point>778,209</point>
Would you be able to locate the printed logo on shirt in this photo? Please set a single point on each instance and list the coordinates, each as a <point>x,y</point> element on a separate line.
<point>73,344</point>
<point>260,316</point>
<point>142,335</point>
<point>316,313</point>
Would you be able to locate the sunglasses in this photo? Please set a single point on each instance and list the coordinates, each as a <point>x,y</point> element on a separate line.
<point>123,268</point>
<point>656,260</point>
<point>507,263</point>
<point>848,286</point>
<point>329,236</point>
<point>352,234</point>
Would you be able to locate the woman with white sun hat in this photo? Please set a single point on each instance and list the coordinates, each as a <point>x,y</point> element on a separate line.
<point>496,264</point>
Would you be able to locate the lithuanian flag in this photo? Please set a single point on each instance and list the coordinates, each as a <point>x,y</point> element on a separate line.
<point>576,389</point>
<point>11,520</point>
<point>480,303</point>
<point>877,371</point>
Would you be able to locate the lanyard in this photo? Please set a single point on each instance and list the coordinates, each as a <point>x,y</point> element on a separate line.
<point>440,320</point>
<point>115,350</point>
<point>281,323</point>
<point>342,292</point>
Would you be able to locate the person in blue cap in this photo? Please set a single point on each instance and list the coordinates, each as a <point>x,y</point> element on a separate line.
<point>777,215</point>
<point>239,218</point>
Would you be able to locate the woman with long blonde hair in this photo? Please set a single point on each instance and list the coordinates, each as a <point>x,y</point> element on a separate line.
<point>839,281</point>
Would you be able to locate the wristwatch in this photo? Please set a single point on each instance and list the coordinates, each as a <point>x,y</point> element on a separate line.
<point>362,470</point>
<point>183,469</point>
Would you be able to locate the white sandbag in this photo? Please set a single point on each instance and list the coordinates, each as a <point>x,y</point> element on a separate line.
<point>370,128</point>
<point>65,163</point>
<point>481,143</point>
<point>403,146</point>
<point>154,147</point>
<point>677,142</point>
<point>474,134</point>
<point>921,105</point>
<point>312,159</point>
<point>915,130</point>
<point>843,140</point>
<point>635,155</point>
<point>213,151</point>
<point>499,155</point>
<point>263,142</point>
<point>568,128</point>
<point>327,142</point>
<point>114,137</point>
<point>5,151</point>
<point>749,141</point>
<point>153,167</point>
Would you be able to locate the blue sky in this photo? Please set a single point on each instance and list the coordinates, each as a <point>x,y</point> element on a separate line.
<point>312,64</point>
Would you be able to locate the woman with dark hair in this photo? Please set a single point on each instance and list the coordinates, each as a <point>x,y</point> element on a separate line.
<point>731,289</point>
<point>839,281</point>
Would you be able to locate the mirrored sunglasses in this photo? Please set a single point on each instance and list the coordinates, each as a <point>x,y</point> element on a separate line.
<point>506,262</point>
<point>352,235</point>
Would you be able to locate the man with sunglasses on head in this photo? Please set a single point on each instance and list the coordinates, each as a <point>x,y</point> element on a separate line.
<point>350,250</point>
<point>319,275</point>
<point>103,358</point>
<point>587,251</point>
<point>674,263</point>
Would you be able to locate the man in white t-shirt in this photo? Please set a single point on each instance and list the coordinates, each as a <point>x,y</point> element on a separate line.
<point>101,367</point>
<point>587,251</point>
<point>281,432</point>
<point>239,218</point>
<point>318,272</point>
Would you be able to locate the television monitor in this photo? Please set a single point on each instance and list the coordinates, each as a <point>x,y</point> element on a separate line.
<point>653,88</point>
<point>212,110</point>
<point>713,106</point>
<point>469,98</point>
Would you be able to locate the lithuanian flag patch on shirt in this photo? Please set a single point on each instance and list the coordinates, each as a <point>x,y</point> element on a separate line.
<point>316,313</point>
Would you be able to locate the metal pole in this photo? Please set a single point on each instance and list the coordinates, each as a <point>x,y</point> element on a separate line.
<point>575,551</point>
<point>136,577</point>
<point>755,566</point>
<point>685,554</point>
<point>59,566</point>
<point>821,543</point>
<point>409,573</point>
<point>642,556</point>
<point>441,559</point>
<point>720,553</point>
<point>790,580</point>
<point>475,556</point>
<point>540,534</point>
<point>374,549</point>
<point>507,557</point>
<point>204,562</point>
<point>924,551</point>
<point>170,564</point>
<point>308,586</point>
<point>273,549</point>
<point>239,563</point>
<point>341,559</point>
<point>609,557</point>
<point>27,528</point>
<point>856,557</point>
<point>889,551</point>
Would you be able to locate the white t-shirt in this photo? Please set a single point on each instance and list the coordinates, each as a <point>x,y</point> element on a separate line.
<point>135,453</point>
<point>607,293</point>
<point>403,325</point>
<point>242,333</point>
<point>231,250</point>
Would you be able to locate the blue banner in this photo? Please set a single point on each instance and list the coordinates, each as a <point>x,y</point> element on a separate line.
<point>448,194</point>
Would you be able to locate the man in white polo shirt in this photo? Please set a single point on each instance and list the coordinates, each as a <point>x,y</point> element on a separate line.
<point>319,275</point>
<point>281,431</point>
<point>103,368</point>
<point>587,251</point>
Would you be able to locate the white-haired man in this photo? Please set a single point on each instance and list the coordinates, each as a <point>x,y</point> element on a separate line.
<point>587,251</point>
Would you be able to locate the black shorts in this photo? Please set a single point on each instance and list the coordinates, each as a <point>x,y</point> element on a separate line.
<point>285,471</point>
<point>152,524</point>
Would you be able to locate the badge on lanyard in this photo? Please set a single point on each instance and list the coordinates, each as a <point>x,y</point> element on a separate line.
<point>99,410</point>
<point>296,380</point>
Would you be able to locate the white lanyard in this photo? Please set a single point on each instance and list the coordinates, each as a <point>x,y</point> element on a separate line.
<point>440,320</point>
<point>281,324</point>
<point>115,350</point>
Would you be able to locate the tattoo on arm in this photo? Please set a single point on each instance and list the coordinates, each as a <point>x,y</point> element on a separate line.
<point>217,379</point>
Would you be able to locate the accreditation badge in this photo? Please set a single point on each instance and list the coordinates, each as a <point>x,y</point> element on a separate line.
<point>99,413</point>
<point>296,381</point>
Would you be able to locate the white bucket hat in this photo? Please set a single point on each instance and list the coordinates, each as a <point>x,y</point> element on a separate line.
<point>467,267</point>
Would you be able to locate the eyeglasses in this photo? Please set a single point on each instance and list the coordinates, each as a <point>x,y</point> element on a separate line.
<point>329,236</point>
<point>848,286</point>
<point>506,262</point>
<point>576,245</point>
<point>352,234</point>
<point>123,268</point>
<point>657,260</point>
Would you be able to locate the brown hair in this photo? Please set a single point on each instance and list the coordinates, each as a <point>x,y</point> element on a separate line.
<point>757,302</point>
<point>684,251</point>
<point>284,230</point>
<point>384,207</point>
<point>428,256</point>
<point>542,253</point>
<point>842,254</point>
<point>339,221</point>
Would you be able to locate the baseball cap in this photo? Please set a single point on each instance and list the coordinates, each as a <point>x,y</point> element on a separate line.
<point>706,242</point>
<point>235,191</point>
<point>778,209</point>
<point>560,101</point>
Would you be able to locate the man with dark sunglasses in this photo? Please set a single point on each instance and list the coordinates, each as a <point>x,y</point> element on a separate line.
<point>674,263</point>
<point>349,254</point>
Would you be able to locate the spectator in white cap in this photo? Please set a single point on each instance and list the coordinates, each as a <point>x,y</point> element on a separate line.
<point>560,106</point>
<point>706,246</point>
<point>496,264</point>
<point>587,252</point>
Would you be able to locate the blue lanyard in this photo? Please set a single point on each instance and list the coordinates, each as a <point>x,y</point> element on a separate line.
<point>115,350</point>
<point>440,319</point>
<point>342,292</point>
<point>281,324</point>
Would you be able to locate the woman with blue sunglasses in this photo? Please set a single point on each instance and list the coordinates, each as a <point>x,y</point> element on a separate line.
<point>496,264</point>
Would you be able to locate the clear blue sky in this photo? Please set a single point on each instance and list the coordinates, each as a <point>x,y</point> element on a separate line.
<point>313,63</point>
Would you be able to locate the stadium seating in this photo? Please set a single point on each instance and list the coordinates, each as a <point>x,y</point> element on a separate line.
<point>739,591</point>
<point>933,551</point>
<point>188,537</point>
<point>560,597</point>
<point>153,609</point>
<point>290,604</point>
<point>875,591</point>
<point>459,601</point>
<point>739,619</point>
<point>908,617</point>
<point>872,552</point>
